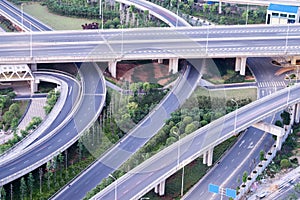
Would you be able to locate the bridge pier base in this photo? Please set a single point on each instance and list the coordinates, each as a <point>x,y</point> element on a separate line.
<point>160,188</point>
<point>112,68</point>
<point>240,65</point>
<point>173,65</point>
<point>220,7</point>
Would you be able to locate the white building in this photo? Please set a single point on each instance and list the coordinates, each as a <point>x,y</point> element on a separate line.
<point>282,14</point>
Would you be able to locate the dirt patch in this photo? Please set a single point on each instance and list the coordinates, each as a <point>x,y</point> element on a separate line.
<point>150,72</point>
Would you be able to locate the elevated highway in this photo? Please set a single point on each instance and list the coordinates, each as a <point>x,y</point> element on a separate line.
<point>150,43</point>
<point>154,171</point>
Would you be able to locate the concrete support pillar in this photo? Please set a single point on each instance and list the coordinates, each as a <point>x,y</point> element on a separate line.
<point>205,157</point>
<point>279,141</point>
<point>294,60</point>
<point>162,188</point>
<point>237,64</point>
<point>240,65</point>
<point>297,113</point>
<point>220,7</point>
<point>292,113</point>
<point>243,66</point>
<point>210,157</point>
<point>112,68</point>
<point>156,188</point>
<point>33,67</point>
<point>160,61</point>
<point>121,6</point>
<point>173,65</point>
<point>34,86</point>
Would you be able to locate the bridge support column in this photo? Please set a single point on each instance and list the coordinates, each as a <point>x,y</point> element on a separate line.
<point>160,61</point>
<point>33,67</point>
<point>160,188</point>
<point>34,86</point>
<point>121,6</point>
<point>292,111</point>
<point>173,65</point>
<point>220,7</point>
<point>240,65</point>
<point>294,60</point>
<point>297,113</point>
<point>205,157</point>
<point>210,156</point>
<point>112,68</point>
<point>237,64</point>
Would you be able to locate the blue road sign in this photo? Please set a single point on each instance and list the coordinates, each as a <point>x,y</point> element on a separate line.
<point>230,193</point>
<point>213,188</point>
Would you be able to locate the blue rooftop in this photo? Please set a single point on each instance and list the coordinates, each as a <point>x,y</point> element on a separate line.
<point>283,8</point>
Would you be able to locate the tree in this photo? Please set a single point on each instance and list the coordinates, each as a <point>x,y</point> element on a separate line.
<point>285,117</point>
<point>297,187</point>
<point>23,188</point>
<point>285,163</point>
<point>190,128</point>
<point>245,175</point>
<point>41,178</point>
<point>261,155</point>
<point>2,193</point>
<point>30,182</point>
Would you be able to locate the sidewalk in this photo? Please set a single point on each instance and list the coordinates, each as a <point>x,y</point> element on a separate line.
<point>35,109</point>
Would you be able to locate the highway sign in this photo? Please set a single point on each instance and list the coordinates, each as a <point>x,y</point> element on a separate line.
<point>230,193</point>
<point>213,188</point>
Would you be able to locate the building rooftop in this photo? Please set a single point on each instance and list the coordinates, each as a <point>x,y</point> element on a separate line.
<point>283,8</point>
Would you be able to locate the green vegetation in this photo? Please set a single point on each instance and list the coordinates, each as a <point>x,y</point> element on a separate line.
<point>16,138</point>
<point>48,179</point>
<point>52,97</point>
<point>221,71</point>
<point>231,14</point>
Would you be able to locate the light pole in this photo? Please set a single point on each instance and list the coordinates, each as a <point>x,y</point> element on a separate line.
<point>22,17</point>
<point>177,14</point>
<point>116,184</point>
<point>235,118</point>
<point>289,85</point>
<point>176,132</point>
<point>206,46</point>
<point>30,40</point>
<point>101,13</point>
<point>247,10</point>
<point>286,39</point>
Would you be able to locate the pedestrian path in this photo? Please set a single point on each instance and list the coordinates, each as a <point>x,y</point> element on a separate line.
<point>36,109</point>
<point>266,84</point>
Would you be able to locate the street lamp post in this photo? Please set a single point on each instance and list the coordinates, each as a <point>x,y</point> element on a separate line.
<point>235,118</point>
<point>22,16</point>
<point>116,184</point>
<point>247,10</point>
<point>178,157</point>
<point>289,85</point>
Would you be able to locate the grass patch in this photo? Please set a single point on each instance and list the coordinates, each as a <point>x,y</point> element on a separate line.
<point>56,22</point>
<point>229,94</point>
